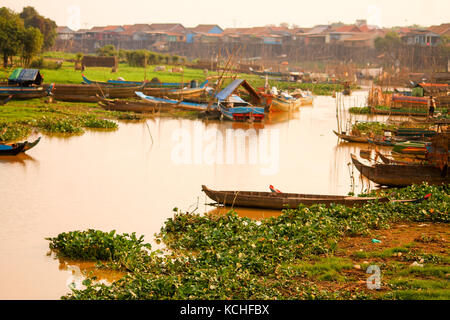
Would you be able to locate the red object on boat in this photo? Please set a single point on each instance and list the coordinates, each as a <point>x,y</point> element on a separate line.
<point>274,190</point>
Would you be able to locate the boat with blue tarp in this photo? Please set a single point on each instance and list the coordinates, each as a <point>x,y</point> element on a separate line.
<point>234,108</point>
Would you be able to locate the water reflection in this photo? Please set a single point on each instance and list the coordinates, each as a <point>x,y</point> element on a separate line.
<point>256,214</point>
<point>22,158</point>
<point>80,270</point>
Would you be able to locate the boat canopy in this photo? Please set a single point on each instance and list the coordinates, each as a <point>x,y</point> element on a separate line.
<point>25,77</point>
<point>231,88</point>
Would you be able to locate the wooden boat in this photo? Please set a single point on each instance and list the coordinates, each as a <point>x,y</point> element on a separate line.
<point>431,121</point>
<point>18,92</point>
<point>154,83</point>
<point>184,93</point>
<point>11,150</point>
<point>410,147</point>
<point>278,201</point>
<point>170,103</point>
<point>234,107</point>
<point>401,175</point>
<point>350,138</point>
<point>26,145</point>
<point>385,159</point>
<point>282,104</point>
<point>138,106</point>
<point>381,142</point>
<point>90,93</point>
<point>30,145</point>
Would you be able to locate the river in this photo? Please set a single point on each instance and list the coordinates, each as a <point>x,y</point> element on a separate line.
<point>130,180</point>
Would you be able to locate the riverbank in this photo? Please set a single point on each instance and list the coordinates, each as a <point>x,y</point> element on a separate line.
<point>305,253</point>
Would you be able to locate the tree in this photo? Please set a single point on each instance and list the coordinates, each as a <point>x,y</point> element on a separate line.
<point>390,45</point>
<point>47,26</point>
<point>11,28</point>
<point>107,51</point>
<point>32,41</point>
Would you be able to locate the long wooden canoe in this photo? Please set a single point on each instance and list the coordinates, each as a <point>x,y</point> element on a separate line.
<point>17,92</point>
<point>185,93</point>
<point>138,106</point>
<point>278,201</point>
<point>88,93</point>
<point>349,138</point>
<point>401,175</point>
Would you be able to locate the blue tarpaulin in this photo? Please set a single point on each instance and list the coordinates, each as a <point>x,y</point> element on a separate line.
<point>225,93</point>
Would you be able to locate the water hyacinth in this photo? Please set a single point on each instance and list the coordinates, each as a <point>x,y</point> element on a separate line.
<point>230,257</point>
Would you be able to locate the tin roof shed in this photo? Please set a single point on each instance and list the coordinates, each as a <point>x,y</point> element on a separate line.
<point>25,77</point>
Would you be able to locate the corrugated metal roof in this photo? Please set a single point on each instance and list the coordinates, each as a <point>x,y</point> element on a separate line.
<point>225,93</point>
<point>20,75</point>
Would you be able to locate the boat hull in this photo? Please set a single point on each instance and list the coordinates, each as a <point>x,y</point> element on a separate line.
<point>401,175</point>
<point>349,138</point>
<point>278,201</point>
<point>279,105</point>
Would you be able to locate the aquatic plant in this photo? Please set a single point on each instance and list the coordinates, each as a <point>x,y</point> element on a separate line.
<point>13,131</point>
<point>59,125</point>
<point>91,121</point>
<point>359,110</point>
<point>229,257</point>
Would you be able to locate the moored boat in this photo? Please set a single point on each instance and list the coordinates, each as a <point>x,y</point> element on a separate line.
<point>163,102</point>
<point>18,92</point>
<point>401,175</point>
<point>351,138</point>
<point>11,150</point>
<point>285,104</point>
<point>234,108</point>
<point>90,93</point>
<point>278,201</point>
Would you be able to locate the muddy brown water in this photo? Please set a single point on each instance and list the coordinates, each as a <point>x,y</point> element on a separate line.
<point>129,180</point>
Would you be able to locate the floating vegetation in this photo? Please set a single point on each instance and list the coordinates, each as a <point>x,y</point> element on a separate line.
<point>359,110</point>
<point>13,131</point>
<point>59,125</point>
<point>94,122</point>
<point>377,128</point>
<point>229,257</point>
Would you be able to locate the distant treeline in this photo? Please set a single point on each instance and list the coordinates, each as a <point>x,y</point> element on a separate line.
<point>140,58</point>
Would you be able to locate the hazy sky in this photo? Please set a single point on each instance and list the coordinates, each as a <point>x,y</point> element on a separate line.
<point>238,13</point>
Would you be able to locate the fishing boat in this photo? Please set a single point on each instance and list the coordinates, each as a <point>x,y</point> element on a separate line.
<point>234,108</point>
<point>11,150</point>
<point>171,103</point>
<point>153,83</point>
<point>13,147</point>
<point>90,93</point>
<point>411,147</point>
<point>25,84</point>
<point>17,92</point>
<point>29,145</point>
<point>281,200</point>
<point>351,138</point>
<point>285,104</point>
<point>394,175</point>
